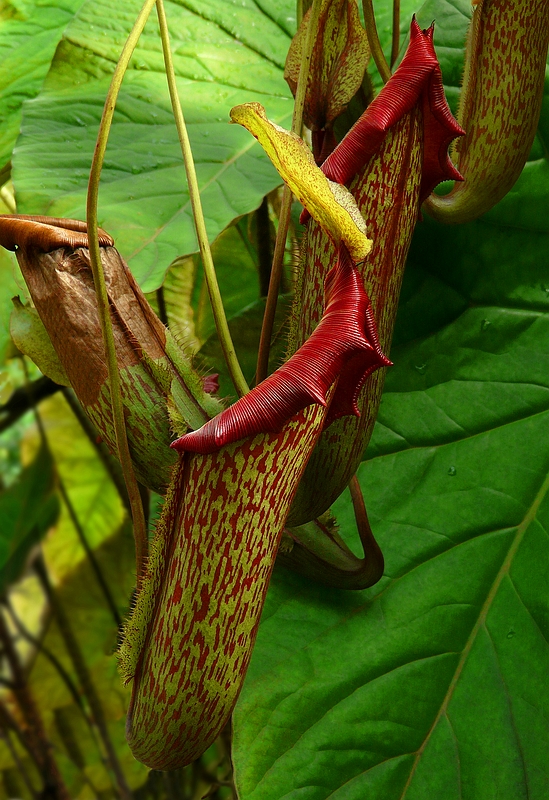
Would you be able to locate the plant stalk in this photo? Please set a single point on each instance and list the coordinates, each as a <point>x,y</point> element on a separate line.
<point>264,255</point>
<point>23,399</point>
<point>373,557</point>
<point>139,526</point>
<point>90,554</point>
<point>161,302</point>
<point>112,466</point>
<point>36,734</point>
<point>8,724</point>
<point>395,45</point>
<point>221,325</point>
<point>63,674</point>
<point>286,205</point>
<point>373,40</point>
<point>75,654</point>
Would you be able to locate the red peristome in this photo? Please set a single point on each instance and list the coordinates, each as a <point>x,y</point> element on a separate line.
<point>344,345</point>
<point>439,130</point>
<point>418,79</point>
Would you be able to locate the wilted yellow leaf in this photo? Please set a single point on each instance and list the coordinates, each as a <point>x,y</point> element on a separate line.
<point>331,204</point>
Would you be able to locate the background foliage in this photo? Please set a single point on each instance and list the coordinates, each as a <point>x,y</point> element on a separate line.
<point>434,681</point>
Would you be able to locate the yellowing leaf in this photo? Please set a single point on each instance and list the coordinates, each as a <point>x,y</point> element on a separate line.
<point>331,204</point>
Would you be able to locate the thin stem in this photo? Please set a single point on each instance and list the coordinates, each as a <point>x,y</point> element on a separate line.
<point>264,256</point>
<point>373,557</point>
<point>395,46</point>
<point>72,513</point>
<point>22,400</point>
<point>36,734</point>
<point>63,674</point>
<point>267,326</point>
<point>7,724</point>
<point>110,463</point>
<point>373,40</point>
<point>139,527</point>
<point>5,735</point>
<point>80,667</point>
<point>286,205</point>
<point>89,553</point>
<point>221,325</point>
<point>302,6</point>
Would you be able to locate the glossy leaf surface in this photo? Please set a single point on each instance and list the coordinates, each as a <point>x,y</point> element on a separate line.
<point>29,33</point>
<point>224,54</point>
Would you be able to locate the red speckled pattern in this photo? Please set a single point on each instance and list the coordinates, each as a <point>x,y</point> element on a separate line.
<point>344,345</point>
<point>225,518</point>
<point>394,154</point>
<point>387,193</point>
<point>500,104</point>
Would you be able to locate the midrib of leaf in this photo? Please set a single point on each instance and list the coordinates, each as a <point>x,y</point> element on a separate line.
<point>203,188</point>
<point>504,570</point>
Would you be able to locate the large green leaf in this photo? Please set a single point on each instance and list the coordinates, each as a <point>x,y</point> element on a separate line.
<point>434,682</point>
<point>29,33</point>
<point>225,53</point>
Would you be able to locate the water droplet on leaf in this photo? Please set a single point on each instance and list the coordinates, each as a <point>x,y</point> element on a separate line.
<point>421,368</point>
<point>485,324</point>
<point>452,471</point>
